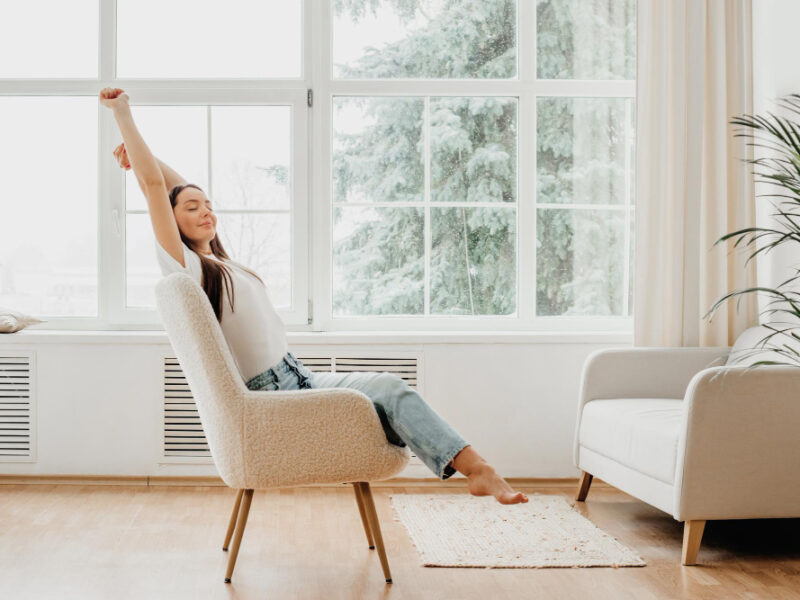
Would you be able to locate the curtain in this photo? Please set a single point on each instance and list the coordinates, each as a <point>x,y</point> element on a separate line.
<point>694,72</point>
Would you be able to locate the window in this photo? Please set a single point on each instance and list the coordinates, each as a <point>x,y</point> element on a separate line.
<point>77,244</point>
<point>48,223</point>
<point>242,155</point>
<point>217,40</point>
<point>481,164</point>
<point>464,165</point>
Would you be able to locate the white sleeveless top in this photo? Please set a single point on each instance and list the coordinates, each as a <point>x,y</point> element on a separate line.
<point>254,331</point>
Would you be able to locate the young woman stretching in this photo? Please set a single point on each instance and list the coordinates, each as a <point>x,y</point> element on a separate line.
<point>184,224</point>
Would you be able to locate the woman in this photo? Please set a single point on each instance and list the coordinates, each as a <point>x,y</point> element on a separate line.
<point>184,224</point>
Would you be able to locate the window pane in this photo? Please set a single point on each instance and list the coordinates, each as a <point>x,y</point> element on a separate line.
<point>142,271</point>
<point>262,243</point>
<point>425,39</point>
<point>473,261</point>
<point>581,150</point>
<point>473,149</point>
<point>251,147</point>
<point>48,191</point>
<point>378,261</point>
<point>378,149</point>
<point>178,135</point>
<point>579,262</point>
<point>586,39</point>
<point>250,156</point>
<point>257,241</point>
<point>185,38</point>
<point>49,38</point>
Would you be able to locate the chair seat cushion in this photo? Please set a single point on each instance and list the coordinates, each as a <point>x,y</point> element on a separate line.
<point>640,433</point>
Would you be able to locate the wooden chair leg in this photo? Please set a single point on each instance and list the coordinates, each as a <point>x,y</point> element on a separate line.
<point>375,527</point>
<point>362,512</point>
<point>583,486</point>
<point>232,522</point>
<point>237,537</point>
<point>692,534</point>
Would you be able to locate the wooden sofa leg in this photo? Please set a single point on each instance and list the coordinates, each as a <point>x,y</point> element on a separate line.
<point>375,527</point>
<point>692,534</point>
<point>232,522</point>
<point>237,537</point>
<point>362,512</point>
<point>583,486</point>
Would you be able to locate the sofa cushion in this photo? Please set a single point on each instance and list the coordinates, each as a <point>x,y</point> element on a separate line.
<point>640,433</point>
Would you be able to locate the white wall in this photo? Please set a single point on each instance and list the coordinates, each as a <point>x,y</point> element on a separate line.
<point>775,74</point>
<point>100,402</point>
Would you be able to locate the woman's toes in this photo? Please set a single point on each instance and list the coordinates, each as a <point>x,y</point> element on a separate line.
<point>512,498</point>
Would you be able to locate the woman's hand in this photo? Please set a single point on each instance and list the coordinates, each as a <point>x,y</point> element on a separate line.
<point>122,156</point>
<point>114,98</point>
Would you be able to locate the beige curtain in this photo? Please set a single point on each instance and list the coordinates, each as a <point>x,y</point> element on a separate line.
<point>693,75</point>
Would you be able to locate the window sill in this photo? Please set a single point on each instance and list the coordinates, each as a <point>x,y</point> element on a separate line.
<point>299,338</point>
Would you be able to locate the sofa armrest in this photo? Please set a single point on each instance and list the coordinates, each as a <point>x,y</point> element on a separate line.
<point>739,449</point>
<point>314,436</point>
<point>641,373</point>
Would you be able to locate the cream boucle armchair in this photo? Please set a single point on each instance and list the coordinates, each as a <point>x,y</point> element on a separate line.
<point>276,438</point>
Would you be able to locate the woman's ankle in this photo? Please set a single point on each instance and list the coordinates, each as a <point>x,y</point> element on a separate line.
<point>468,461</point>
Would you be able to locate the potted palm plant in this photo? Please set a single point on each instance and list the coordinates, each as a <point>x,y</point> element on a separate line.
<point>781,170</point>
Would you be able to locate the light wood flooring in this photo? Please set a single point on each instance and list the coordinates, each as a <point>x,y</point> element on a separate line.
<point>138,541</point>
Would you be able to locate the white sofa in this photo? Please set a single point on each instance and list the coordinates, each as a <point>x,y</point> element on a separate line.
<point>695,432</point>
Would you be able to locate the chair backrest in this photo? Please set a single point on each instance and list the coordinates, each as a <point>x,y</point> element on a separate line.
<point>747,348</point>
<point>210,369</point>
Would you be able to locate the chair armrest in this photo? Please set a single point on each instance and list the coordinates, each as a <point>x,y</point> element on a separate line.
<point>739,449</point>
<point>641,373</point>
<point>314,436</point>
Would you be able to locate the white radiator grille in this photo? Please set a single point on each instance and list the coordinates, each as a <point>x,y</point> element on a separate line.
<point>404,367</point>
<point>16,408</point>
<point>183,433</point>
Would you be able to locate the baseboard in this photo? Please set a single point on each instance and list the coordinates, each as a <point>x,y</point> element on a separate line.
<point>154,480</point>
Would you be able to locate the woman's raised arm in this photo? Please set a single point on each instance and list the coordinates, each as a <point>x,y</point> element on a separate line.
<point>144,164</point>
<point>146,168</point>
<point>171,176</point>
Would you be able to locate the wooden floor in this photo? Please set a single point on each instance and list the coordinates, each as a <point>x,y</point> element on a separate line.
<point>144,542</point>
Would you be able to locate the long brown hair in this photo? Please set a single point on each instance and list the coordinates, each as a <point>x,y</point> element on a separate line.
<point>213,272</point>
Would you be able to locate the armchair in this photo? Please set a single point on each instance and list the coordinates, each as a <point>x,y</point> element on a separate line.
<point>272,439</point>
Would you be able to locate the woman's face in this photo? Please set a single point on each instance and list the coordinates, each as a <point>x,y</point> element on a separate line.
<point>194,216</point>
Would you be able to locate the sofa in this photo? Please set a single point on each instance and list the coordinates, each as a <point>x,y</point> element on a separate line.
<point>700,433</point>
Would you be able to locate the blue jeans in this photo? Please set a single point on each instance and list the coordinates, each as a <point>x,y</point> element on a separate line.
<point>406,418</point>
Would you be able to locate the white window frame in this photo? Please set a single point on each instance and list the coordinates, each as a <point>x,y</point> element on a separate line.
<point>527,88</point>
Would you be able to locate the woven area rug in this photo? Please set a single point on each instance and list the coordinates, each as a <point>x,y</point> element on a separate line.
<point>459,530</point>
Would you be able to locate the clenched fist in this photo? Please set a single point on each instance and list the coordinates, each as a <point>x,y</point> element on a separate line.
<point>113,98</point>
<point>122,156</point>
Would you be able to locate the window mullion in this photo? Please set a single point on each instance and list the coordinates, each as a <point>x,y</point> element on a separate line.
<point>526,165</point>
<point>526,209</point>
<point>209,166</point>
<point>626,220</point>
<point>112,225</point>
<point>426,132</point>
<point>107,58</point>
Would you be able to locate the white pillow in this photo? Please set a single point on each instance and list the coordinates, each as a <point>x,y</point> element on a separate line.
<point>13,320</point>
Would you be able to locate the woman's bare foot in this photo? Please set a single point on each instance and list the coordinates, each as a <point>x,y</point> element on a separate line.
<point>483,480</point>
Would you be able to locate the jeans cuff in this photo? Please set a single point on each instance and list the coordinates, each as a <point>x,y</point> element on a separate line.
<point>447,471</point>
